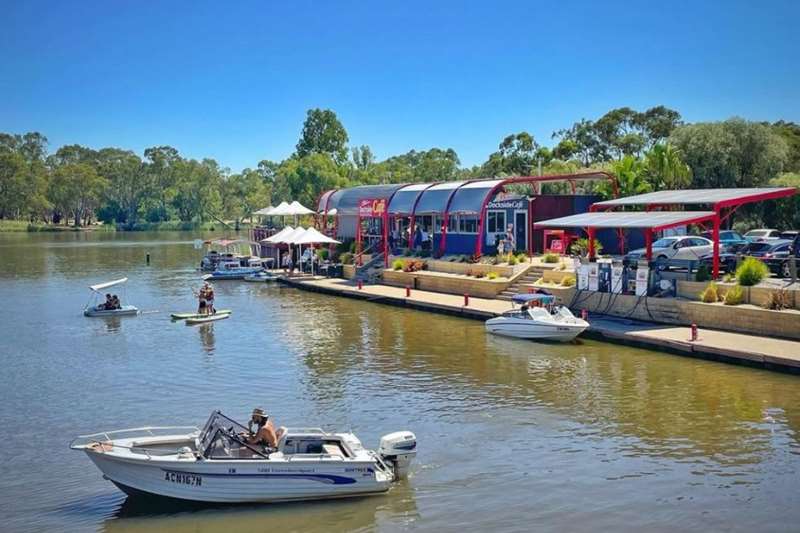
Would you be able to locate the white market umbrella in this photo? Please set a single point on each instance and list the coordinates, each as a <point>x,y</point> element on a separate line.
<point>296,208</point>
<point>312,236</point>
<point>280,235</point>
<point>281,210</point>
<point>265,212</point>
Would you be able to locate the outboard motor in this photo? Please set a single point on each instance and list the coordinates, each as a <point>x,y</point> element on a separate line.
<point>399,449</point>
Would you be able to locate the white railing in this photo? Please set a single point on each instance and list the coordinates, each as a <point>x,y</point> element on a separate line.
<point>107,438</point>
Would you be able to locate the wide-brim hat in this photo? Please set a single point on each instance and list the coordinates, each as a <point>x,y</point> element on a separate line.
<point>259,412</point>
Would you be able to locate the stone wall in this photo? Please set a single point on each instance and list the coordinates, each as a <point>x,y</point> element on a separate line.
<point>752,295</point>
<point>447,283</point>
<point>452,267</point>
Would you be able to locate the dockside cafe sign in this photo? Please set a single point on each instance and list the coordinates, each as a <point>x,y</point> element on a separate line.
<point>372,207</point>
<point>507,204</point>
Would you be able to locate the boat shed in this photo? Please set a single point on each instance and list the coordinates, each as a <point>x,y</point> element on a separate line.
<point>457,217</point>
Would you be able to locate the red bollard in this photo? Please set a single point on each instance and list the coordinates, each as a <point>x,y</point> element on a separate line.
<point>694,333</point>
<point>466,300</point>
<point>585,314</point>
<point>360,284</point>
<point>408,291</point>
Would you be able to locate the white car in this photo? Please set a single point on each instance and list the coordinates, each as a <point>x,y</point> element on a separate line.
<point>685,248</point>
<point>762,235</point>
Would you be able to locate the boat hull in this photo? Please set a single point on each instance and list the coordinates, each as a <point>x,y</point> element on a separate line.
<point>125,310</point>
<point>529,329</point>
<point>240,482</point>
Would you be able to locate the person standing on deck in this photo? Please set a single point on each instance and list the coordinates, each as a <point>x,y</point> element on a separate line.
<point>511,245</point>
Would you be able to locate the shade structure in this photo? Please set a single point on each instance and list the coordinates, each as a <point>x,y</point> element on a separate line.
<point>296,208</point>
<point>312,236</point>
<point>280,235</point>
<point>346,201</point>
<point>638,219</point>
<point>700,196</point>
<point>107,284</point>
<point>282,209</point>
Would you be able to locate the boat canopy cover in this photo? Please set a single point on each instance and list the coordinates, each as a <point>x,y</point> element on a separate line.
<point>434,200</point>
<point>224,242</point>
<point>471,197</point>
<point>538,297</point>
<point>345,201</point>
<point>404,199</point>
<point>107,284</point>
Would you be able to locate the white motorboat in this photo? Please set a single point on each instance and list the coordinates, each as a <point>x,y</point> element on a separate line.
<point>216,464</point>
<point>537,318</point>
<point>261,277</point>
<point>95,307</point>
<point>234,270</point>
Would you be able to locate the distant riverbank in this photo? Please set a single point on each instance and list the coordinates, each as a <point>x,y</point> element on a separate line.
<point>14,226</point>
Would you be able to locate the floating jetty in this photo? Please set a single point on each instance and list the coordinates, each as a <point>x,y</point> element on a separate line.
<point>772,354</point>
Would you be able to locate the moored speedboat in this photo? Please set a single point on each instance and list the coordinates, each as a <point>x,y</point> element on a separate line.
<point>537,318</point>
<point>216,464</point>
<point>234,270</point>
<point>261,277</point>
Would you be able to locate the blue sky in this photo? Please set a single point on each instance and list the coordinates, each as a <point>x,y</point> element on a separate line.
<point>233,80</point>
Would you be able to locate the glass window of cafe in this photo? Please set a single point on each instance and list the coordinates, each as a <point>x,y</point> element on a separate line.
<point>495,222</point>
<point>468,224</point>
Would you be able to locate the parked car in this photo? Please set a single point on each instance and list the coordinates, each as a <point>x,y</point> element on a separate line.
<point>729,240</point>
<point>727,261</point>
<point>761,235</point>
<point>666,249</point>
<point>776,255</point>
<point>789,235</point>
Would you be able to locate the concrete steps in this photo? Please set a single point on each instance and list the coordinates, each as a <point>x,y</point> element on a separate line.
<point>523,283</point>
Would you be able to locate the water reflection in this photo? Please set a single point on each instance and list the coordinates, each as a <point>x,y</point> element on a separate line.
<point>398,507</point>
<point>207,339</point>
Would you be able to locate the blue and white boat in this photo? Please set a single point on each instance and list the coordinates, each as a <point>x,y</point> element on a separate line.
<point>216,463</point>
<point>234,270</point>
<point>537,318</point>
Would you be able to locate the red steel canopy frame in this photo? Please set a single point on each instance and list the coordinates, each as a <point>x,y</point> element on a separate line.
<point>571,178</point>
<point>731,203</point>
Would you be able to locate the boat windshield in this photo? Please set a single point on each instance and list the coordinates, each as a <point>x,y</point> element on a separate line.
<point>222,433</point>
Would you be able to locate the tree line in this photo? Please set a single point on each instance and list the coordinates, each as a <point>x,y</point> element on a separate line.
<point>647,150</point>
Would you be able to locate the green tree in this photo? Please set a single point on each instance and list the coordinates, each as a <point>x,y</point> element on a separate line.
<point>305,178</point>
<point>732,153</point>
<point>162,164</point>
<point>197,189</point>
<point>665,169</point>
<point>790,133</point>
<point>76,189</point>
<point>323,134</point>
<point>130,185</point>
<point>244,193</point>
<point>516,156</point>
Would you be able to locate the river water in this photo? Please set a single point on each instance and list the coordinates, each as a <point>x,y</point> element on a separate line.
<point>513,435</point>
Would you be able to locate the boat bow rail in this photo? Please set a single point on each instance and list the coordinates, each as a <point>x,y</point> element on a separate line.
<point>108,438</point>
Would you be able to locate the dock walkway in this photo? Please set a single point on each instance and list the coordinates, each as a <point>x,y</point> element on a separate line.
<point>773,354</point>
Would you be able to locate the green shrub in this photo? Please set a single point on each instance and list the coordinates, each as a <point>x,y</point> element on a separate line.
<point>710,294</point>
<point>522,257</point>
<point>568,281</point>
<point>551,258</point>
<point>751,272</point>
<point>322,254</point>
<point>397,264</point>
<point>734,296</point>
<point>581,247</point>
<point>492,275</point>
<point>728,278</point>
<point>703,273</point>
<point>346,258</point>
<point>512,260</point>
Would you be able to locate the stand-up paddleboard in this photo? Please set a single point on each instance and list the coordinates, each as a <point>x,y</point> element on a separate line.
<point>185,316</point>
<point>207,318</point>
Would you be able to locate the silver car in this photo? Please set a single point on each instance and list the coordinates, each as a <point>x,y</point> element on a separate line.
<point>685,248</point>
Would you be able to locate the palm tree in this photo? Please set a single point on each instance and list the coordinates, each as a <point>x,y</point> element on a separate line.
<point>665,169</point>
<point>630,173</point>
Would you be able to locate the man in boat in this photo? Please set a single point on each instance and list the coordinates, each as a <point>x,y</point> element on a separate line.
<point>264,433</point>
<point>115,302</point>
<point>109,303</point>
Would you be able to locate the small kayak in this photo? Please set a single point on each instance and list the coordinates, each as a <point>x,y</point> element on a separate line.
<point>185,316</point>
<point>207,318</point>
